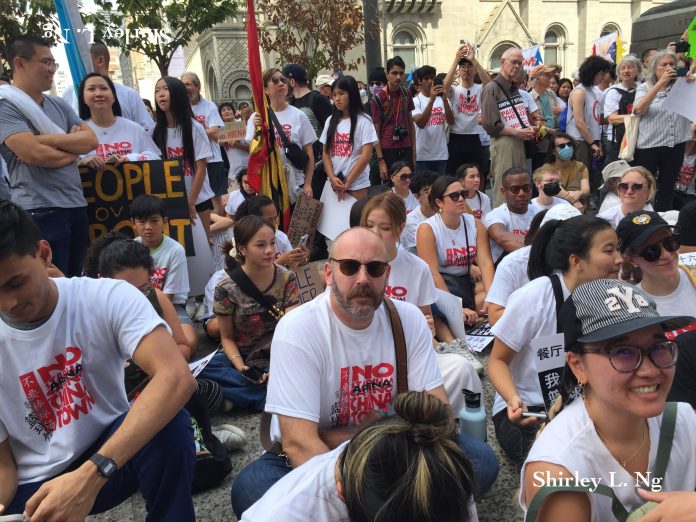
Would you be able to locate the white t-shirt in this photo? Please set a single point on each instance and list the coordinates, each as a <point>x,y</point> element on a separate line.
<point>408,236</point>
<point>410,201</point>
<point>610,200</point>
<point>169,272</point>
<point>431,140</point>
<point>528,101</point>
<point>344,156</point>
<point>614,214</point>
<point>410,279</point>
<point>681,301</point>
<point>570,440</point>
<point>518,326</point>
<point>518,224</point>
<point>342,385</point>
<point>556,201</point>
<point>452,245</point>
<point>62,382</point>
<point>125,138</point>
<point>480,204</point>
<point>282,243</point>
<point>132,105</point>
<point>298,130</point>
<point>510,275</point>
<point>612,97</point>
<point>210,291</point>
<point>239,159</point>
<point>465,102</point>
<point>206,113</point>
<point>236,198</point>
<point>201,150</point>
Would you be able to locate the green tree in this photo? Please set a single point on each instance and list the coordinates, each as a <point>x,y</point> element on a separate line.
<point>156,28</point>
<point>315,33</point>
<point>18,17</point>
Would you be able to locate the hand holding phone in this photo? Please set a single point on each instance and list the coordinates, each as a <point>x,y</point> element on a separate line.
<point>303,241</point>
<point>540,416</point>
<point>253,375</point>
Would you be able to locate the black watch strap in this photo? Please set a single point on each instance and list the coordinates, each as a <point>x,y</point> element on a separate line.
<point>105,466</point>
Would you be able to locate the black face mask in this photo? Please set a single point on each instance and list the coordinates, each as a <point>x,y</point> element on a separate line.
<point>552,189</point>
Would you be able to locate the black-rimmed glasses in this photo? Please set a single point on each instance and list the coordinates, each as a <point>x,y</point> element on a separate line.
<point>628,359</point>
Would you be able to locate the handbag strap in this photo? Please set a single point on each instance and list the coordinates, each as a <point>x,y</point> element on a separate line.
<point>249,288</point>
<point>279,128</point>
<point>468,256</point>
<point>399,347</point>
<point>664,448</point>
<point>558,295</point>
<point>512,105</point>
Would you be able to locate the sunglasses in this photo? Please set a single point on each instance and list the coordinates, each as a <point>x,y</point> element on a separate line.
<point>376,84</point>
<point>564,145</point>
<point>628,359</point>
<point>350,267</point>
<point>516,189</point>
<point>653,252</point>
<point>635,187</point>
<point>454,196</point>
<point>279,79</point>
<point>406,177</point>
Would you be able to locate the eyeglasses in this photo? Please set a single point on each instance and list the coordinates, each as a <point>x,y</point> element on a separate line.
<point>350,267</point>
<point>454,196</point>
<point>564,145</point>
<point>516,62</point>
<point>653,252</point>
<point>51,64</point>
<point>635,187</point>
<point>405,177</point>
<point>516,189</point>
<point>628,359</point>
<point>279,79</point>
<point>376,84</point>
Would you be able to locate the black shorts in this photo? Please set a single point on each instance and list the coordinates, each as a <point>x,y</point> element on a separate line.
<point>206,205</point>
<point>217,176</point>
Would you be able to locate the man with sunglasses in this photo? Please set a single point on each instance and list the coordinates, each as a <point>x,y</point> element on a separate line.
<point>40,139</point>
<point>508,224</point>
<point>333,367</point>
<point>504,116</point>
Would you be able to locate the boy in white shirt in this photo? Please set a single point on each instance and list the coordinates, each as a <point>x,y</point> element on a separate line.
<point>548,182</point>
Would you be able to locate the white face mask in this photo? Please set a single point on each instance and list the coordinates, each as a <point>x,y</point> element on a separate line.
<point>363,93</point>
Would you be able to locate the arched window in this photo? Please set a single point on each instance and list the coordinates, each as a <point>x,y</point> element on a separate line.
<point>496,55</point>
<point>554,43</point>
<point>242,93</point>
<point>405,46</point>
<point>610,28</point>
<point>212,84</point>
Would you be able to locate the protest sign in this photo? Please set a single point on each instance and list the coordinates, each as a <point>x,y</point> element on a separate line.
<point>550,359</point>
<point>200,266</point>
<point>531,58</point>
<point>451,306</point>
<point>681,98</point>
<point>232,132</point>
<point>219,239</point>
<point>337,218</point>
<point>688,259</point>
<point>110,192</point>
<point>198,366</point>
<point>304,220</point>
<point>310,281</point>
<point>480,337</point>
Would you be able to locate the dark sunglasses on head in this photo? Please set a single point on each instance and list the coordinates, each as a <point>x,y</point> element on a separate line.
<point>628,359</point>
<point>454,196</point>
<point>635,187</point>
<point>653,252</point>
<point>405,176</point>
<point>350,267</point>
<point>516,189</point>
<point>279,79</point>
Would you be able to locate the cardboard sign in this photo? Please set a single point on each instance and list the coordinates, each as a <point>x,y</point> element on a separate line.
<point>232,132</point>
<point>110,193</point>
<point>688,259</point>
<point>310,281</point>
<point>480,337</point>
<point>305,219</point>
<point>219,239</point>
<point>198,366</point>
<point>200,266</point>
<point>337,219</point>
<point>550,359</point>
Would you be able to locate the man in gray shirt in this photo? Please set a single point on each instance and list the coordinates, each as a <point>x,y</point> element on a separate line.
<point>42,168</point>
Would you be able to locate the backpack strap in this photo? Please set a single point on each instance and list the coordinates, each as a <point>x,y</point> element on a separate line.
<point>558,295</point>
<point>399,347</point>
<point>664,446</point>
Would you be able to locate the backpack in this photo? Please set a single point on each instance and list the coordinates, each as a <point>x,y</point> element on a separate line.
<point>625,107</point>
<point>380,107</point>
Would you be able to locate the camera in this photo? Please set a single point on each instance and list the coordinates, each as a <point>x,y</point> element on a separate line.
<point>681,71</point>
<point>399,132</point>
<point>682,46</point>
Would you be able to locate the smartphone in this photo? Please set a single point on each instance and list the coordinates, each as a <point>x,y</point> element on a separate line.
<point>303,241</point>
<point>253,374</point>
<point>681,71</point>
<point>540,416</point>
<point>341,176</point>
<point>463,41</point>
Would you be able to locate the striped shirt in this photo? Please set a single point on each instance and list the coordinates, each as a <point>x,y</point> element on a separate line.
<point>658,126</point>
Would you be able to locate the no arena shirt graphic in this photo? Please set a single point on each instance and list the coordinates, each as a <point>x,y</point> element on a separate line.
<point>362,391</point>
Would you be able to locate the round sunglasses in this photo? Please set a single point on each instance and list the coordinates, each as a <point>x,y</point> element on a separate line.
<point>653,252</point>
<point>279,79</point>
<point>454,196</point>
<point>516,189</point>
<point>635,187</point>
<point>406,177</point>
<point>628,359</point>
<point>350,267</point>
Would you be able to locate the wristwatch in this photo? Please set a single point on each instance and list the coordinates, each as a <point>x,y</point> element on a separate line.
<point>105,466</point>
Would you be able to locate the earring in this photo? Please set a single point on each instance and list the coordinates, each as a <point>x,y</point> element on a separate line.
<point>583,387</point>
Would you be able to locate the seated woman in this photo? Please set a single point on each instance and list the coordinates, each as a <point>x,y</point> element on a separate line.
<point>636,189</point>
<point>248,305</point>
<point>651,252</point>
<point>374,474</point>
<point>564,255</point>
<point>401,175</point>
<point>619,357</point>
<point>470,177</point>
<point>243,193</point>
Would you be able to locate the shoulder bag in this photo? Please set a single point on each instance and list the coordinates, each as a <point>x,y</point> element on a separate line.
<point>293,151</point>
<point>530,146</point>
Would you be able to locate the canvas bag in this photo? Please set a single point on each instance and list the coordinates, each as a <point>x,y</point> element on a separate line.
<point>630,138</point>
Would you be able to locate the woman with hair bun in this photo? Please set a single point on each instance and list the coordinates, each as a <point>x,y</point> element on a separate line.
<point>564,255</point>
<point>404,467</point>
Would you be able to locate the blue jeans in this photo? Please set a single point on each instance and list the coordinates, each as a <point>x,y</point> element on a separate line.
<point>439,167</point>
<point>260,475</point>
<point>162,470</point>
<point>67,231</point>
<point>235,388</point>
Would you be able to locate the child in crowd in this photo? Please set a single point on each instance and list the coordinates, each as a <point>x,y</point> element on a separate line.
<point>564,255</point>
<point>420,187</point>
<point>470,178</point>
<point>170,273</point>
<point>548,183</point>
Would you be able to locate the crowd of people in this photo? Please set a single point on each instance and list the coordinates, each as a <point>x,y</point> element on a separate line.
<point>502,191</point>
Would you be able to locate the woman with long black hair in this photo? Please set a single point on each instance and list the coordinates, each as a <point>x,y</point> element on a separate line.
<point>179,136</point>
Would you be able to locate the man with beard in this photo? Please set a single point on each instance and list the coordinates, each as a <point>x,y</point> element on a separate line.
<point>333,368</point>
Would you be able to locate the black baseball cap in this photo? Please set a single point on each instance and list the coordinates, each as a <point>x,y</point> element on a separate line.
<point>686,224</point>
<point>295,72</point>
<point>637,227</point>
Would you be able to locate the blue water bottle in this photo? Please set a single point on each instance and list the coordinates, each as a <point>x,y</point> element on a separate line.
<point>472,417</point>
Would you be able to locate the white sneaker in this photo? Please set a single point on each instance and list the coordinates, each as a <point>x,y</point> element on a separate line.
<point>192,307</point>
<point>232,437</point>
<point>461,347</point>
<point>201,314</point>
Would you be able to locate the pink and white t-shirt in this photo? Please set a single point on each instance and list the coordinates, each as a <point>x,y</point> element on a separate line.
<point>466,105</point>
<point>431,140</point>
<point>518,224</point>
<point>206,113</point>
<point>124,138</point>
<point>455,248</point>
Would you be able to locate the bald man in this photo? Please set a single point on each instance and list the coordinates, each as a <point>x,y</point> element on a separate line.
<point>504,117</point>
<point>333,368</point>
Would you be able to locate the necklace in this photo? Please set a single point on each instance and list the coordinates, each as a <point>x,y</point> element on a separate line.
<point>614,454</point>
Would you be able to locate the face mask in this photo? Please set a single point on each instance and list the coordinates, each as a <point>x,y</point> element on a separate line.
<point>565,153</point>
<point>375,89</point>
<point>363,93</point>
<point>551,189</point>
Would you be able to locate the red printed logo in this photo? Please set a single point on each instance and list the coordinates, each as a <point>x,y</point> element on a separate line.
<point>157,277</point>
<point>437,117</point>
<point>467,104</point>
<point>104,150</point>
<point>396,292</point>
<point>362,390</point>
<point>178,153</point>
<point>458,256</point>
<point>341,146</point>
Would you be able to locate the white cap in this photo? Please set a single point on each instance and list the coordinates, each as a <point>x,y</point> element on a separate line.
<point>560,212</point>
<point>324,79</point>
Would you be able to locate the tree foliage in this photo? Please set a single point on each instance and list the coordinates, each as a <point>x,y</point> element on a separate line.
<point>316,33</point>
<point>156,28</point>
<point>18,17</point>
